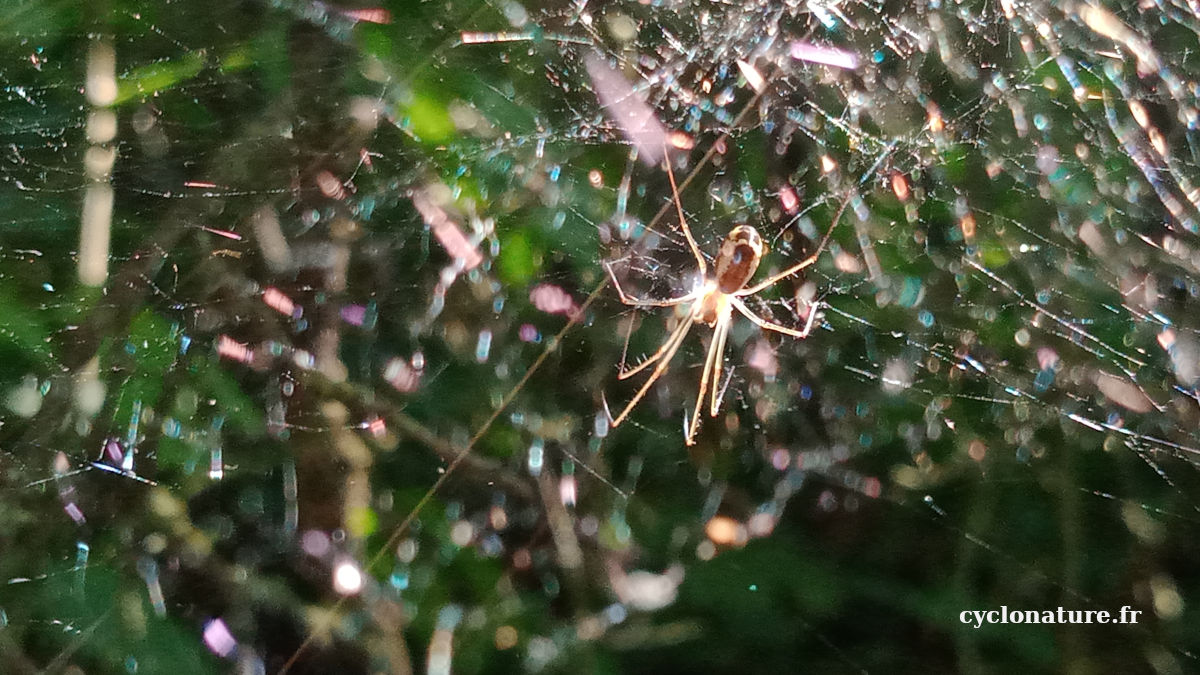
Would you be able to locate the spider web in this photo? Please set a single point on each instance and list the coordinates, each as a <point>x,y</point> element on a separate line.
<point>334,397</point>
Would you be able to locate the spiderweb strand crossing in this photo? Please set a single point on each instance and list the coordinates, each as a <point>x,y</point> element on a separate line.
<point>350,258</point>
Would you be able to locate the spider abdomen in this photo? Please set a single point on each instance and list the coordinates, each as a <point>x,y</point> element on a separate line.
<point>738,258</point>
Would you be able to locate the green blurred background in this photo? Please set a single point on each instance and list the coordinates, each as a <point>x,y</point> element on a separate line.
<point>338,404</point>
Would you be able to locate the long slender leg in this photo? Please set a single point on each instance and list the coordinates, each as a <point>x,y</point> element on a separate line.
<point>768,325</point>
<point>713,357</point>
<point>626,374</point>
<point>719,336</point>
<point>687,232</point>
<point>665,360</point>
<point>724,387</point>
<point>639,302</point>
<point>803,263</point>
<point>625,347</point>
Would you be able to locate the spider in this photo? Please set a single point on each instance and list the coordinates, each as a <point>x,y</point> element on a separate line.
<point>713,302</point>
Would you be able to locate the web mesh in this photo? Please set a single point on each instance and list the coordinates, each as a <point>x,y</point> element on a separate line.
<point>332,391</point>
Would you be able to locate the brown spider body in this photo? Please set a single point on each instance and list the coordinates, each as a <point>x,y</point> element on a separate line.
<point>736,262</point>
<point>738,258</point>
<point>711,306</point>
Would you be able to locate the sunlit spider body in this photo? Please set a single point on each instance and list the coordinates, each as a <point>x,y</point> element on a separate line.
<point>713,303</point>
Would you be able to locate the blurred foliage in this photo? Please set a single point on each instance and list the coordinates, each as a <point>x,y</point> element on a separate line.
<point>294,373</point>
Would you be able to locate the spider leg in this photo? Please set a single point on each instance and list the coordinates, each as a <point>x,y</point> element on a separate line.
<point>768,325</point>
<point>626,374</point>
<point>663,361</point>
<point>711,364</point>
<point>687,231</point>
<point>719,336</point>
<point>774,278</point>
<point>640,302</point>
